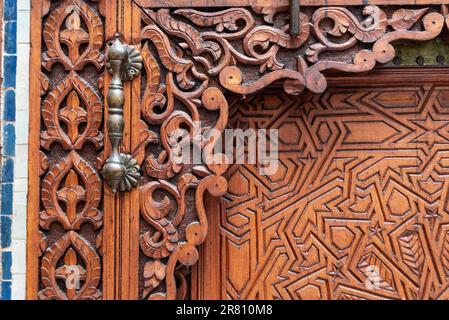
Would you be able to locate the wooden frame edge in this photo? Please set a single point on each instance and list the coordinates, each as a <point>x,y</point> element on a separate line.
<point>38,8</point>
<point>32,263</point>
<point>279,3</point>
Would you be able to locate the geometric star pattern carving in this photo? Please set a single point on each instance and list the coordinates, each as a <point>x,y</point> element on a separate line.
<point>358,207</point>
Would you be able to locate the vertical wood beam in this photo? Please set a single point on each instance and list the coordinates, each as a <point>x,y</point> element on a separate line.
<point>111,205</point>
<point>32,277</point>
<point>123,231</point>
<point>294,17</point>
<point>134,216</point>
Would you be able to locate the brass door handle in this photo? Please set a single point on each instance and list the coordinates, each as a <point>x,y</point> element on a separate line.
<point>121,172</point>
<point>294,18</point>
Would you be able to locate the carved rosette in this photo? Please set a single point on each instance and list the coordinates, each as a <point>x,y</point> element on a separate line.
<point>71,139</point>
<point>191,58</point>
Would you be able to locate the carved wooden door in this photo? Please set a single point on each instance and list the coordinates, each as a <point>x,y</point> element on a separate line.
<point>360,192</point>
<point>357,208</point>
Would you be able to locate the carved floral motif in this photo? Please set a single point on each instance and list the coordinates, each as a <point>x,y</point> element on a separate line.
<point>192,57</point>
<point>72,114</point>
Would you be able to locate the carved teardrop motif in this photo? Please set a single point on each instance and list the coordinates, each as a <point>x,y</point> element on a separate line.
<point>73,90</point>
<point>72,115</point>
<point>64,27</point>
<point>62,184</point>
<point>80,279</point>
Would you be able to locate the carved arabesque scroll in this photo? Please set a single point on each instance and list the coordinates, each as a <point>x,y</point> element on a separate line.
<point>191,58</point>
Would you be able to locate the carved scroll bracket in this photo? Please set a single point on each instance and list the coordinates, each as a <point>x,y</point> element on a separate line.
<point>121,171</point>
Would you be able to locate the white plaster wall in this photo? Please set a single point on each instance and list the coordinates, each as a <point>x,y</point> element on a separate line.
<point>19,229</point>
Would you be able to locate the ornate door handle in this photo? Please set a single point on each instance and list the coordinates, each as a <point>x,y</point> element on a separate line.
<point>121,172</point>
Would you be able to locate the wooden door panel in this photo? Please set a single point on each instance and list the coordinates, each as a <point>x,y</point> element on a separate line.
<point>358,208</point>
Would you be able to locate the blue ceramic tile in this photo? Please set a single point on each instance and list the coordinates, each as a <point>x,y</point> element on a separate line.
<point>6,265</point>
<point>9,140</point>
<point>10,10</point>
<point>9,114</point>
<point>6,290</point>
<point>9,71</point>
<point>8,171</point>
<point>6,207</point>
<point>5,230</point>
<point>11,37</point>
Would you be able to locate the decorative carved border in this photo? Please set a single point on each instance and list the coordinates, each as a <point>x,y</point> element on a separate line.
<point>193,58</point>
<point>280,3</point>
<point>69,151</point>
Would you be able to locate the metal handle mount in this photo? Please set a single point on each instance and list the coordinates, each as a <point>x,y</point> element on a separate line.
<point>121,172</point>
<point>295,18</point>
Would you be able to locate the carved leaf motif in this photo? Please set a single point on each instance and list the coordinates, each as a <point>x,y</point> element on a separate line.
<point>44,165</point>
<point>404,19</point>
<point>45,84</point>
<point>71,167</point>
<point>226,20</point>
<point>76,90</point>
<point>154,96</point>
<point>71,245</point>
<point>169,162</point>
<point>153,274</point>
<point>268,11</point>
<point>73,115</point>
<point>73,35</point>
<point>71,194</point>
<point>411,251</point>
<point>43,243</point>
<point>188,34</point>
<point>344,21</point>
<point>146,137</point>
<point>313,51</point>
<point>168,56</point>
<point>263,43</point>
<point>163,242</point>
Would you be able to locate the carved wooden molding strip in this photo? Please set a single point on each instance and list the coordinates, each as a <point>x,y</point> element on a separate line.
<point>71,140</point>
<point>280,3</point>
<point>192,58</point>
